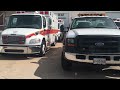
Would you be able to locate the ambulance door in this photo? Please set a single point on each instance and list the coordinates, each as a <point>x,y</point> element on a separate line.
<point>46,32</point>
<point>50,30</point>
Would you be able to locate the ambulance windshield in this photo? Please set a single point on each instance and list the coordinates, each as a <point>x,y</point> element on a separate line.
<point>93,22</point>
<point>25,21</point>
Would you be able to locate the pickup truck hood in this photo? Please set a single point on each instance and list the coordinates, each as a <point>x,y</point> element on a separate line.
<point>20,31</point>
<point>92,31</point>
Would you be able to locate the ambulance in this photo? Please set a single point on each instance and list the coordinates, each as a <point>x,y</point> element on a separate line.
<point>52,18</point>
<point>29,33</point>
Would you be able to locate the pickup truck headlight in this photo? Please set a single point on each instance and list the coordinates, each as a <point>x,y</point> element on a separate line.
<point>34,41</point>
<point>70,42</point>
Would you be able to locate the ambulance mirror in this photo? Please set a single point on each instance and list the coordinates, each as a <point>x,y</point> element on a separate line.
<point>62,28</point>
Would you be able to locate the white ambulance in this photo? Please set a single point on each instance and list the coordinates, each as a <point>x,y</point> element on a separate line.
<point>53,20</point>
<point>29,33</point>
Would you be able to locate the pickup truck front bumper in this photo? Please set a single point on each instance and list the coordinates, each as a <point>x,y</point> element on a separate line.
<point>20,49</point>
<point>88,58</point>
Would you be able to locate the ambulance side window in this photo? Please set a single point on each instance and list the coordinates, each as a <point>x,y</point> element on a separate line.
<point>44,22</point>
<point>58,25</point>
<point>50,21</point>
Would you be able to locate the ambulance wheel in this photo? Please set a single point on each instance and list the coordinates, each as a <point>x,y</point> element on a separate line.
<point>42,49</point>
<point>54,43</point>
<point>59,39</point>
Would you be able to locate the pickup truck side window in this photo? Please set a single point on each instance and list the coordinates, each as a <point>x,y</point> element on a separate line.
<point>50,21</point>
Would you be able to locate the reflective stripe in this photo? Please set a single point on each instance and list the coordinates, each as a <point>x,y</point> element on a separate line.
<point>44,32</point>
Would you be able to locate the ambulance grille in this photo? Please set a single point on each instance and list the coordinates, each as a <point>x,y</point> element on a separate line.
<point>13,39</point>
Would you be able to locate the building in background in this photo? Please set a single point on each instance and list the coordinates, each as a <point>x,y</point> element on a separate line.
<point>65,15</point>
<point>68,15</point>
<point>4,17</point>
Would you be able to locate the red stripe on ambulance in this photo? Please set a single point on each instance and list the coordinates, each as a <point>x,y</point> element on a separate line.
<point>30,35</point>
<point>44,32</point>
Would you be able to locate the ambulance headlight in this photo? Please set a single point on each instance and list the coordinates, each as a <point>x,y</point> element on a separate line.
<point>34,41</point>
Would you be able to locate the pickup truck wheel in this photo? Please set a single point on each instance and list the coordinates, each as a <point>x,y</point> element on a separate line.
<point>66,64</point>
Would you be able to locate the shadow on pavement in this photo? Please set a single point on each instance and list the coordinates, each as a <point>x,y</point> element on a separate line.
<point>13,57</point>
<point>50,68</point>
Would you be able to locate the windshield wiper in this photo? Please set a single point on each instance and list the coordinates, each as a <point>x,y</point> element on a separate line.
<point>100,27</point>
<point>28,26</point>
<point>81,27</point>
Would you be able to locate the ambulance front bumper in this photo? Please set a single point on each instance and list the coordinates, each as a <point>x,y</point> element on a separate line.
<point>12,49</point>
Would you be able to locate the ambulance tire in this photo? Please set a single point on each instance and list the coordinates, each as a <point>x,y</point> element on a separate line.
<point>59,39</point>
<point>42,49</point>
<point>54,43</point>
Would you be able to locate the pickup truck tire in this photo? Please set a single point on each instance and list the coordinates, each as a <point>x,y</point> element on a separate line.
<point>66,64</point>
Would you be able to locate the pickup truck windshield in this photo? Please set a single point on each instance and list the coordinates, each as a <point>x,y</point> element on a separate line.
<point>93,22</point>
<point>25,21</point>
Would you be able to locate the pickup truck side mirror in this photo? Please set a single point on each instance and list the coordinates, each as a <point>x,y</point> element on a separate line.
<point>67,29</point>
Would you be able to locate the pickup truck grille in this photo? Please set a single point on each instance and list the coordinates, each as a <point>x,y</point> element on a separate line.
<point>98,44</point>
<point>13,39</point>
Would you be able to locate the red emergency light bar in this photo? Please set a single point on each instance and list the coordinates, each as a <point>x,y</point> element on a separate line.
<point>44,12</point>
<point>91,14</point>
<point>41,12</point>
<point>20,12</point>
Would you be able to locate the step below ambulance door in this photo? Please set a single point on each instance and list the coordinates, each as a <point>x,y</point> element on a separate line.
<point>46,31</point>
